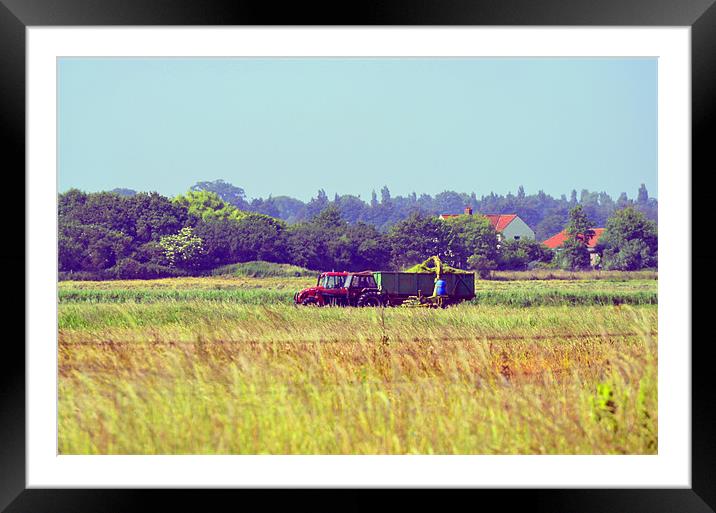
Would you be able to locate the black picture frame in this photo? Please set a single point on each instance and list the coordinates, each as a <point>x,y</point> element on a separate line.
<point>16,15</point>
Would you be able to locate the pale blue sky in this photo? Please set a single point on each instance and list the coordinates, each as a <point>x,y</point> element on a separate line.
<point>292,126</point>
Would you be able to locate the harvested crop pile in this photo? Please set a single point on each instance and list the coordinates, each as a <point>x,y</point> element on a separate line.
<point>424,268</point>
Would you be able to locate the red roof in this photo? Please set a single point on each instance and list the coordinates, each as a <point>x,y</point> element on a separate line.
<point>557,240</point>
<point>498,221</point>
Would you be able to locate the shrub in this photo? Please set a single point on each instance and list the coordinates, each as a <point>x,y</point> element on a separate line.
<point>484,266</point>
<point>131,269</point>
<point>261,269</point>
<point>517,255</point>
<point>183,250</point>
<point>574,255</point>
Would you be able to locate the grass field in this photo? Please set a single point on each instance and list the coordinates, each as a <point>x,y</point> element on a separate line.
<point>280,290</point>
<point>226,364</point>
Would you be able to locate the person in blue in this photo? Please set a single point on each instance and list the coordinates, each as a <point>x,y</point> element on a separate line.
<point>440,287</point>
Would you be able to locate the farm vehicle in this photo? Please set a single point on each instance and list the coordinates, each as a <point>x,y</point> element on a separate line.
<point>428,287</point>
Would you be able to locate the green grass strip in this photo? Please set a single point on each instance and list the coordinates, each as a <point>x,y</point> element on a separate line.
<point>525,298</point>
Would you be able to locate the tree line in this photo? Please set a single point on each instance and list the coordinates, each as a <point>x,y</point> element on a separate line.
<point>545,214</point>
<point>146,235</point>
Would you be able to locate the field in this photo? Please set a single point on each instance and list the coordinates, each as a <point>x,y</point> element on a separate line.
<point>227,365</point>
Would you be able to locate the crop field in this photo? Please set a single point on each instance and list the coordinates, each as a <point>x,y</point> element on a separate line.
<point>280,290</point>
<point>227,365</point>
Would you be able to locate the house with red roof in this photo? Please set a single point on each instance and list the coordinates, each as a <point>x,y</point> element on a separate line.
<point>507,226</point>
<point>557,241</point>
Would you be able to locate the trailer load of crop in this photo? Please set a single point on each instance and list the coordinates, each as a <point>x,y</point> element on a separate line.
<point>425,267</point>
<point>430,283</point>
<point>421,285</point>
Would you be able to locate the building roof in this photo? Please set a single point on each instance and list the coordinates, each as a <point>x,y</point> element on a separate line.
<point>498,221</point>
<point>555,241</point>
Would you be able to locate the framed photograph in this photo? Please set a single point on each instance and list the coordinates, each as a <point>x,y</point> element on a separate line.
<point>422,250</point>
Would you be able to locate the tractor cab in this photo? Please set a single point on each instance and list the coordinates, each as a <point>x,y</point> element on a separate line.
<point>341,289</point>
<point>360,281</point>
<point>331,280</point>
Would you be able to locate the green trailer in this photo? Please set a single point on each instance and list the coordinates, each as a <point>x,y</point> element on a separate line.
<point>399,286</point>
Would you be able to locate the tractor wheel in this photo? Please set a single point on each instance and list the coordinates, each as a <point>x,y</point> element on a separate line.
<point>310,301</point>
<point>370,299</point>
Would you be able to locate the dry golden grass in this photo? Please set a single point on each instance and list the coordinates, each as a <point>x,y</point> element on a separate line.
<point>204,378</point>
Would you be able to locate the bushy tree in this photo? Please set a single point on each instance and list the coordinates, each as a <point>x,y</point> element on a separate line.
<point>253,237</point>
<point>317,204</point>
<point>228,193</point>
<point>579,225</point>
<point>149,216</point>
<point>630,241</point>
<point>518,254</point>
<point>328,242</point>
<point>261,238</point>
<point>483,265</point>
<point>574,254</point>
<point>319,243</point>
<point>369,248</point>
<point>207,206</point>
<point>285,208</point>
<point>183,250</point>
<point>99,231</point>
<point>473,243</point>
<point>551,224</point>
<point>352,208</point>
<point>90,247</point>
<point>418,238</point>
<point>306,247</point>
<point>449,202</point>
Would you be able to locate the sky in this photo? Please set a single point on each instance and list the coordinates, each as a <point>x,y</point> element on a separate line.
<point>291,126</point>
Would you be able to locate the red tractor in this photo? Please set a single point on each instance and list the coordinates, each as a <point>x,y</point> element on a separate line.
<point>342,289</point>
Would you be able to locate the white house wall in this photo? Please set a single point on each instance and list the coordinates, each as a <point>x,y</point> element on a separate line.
<point>518,228</point>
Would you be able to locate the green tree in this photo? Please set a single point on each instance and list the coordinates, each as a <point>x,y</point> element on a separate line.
<point>352,208</point>
<point>574,253</point>
<point>518,254</point>
<point>204,205</point>
<point>152,216</point>
<point>385,199</point>
<point>417,238</point>
<point>329,218</point>
<point>227,192</point>
<point>370,249</point>
<point>551,224</point>
<point>253,237</point>
<point>642,196</point>
<point>183,250</point>
<point>307,247</point>
<point>579,226</point>
<point>261,238</point>
<point>630,241</point>
<point>317,204</point>
<point>473,243</point>
<point>320,243</point>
